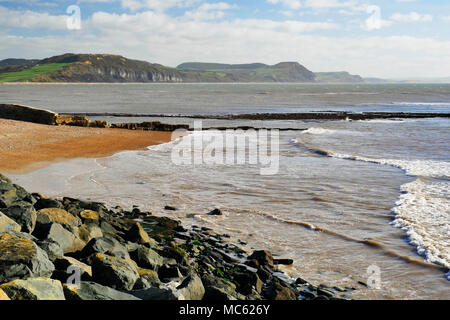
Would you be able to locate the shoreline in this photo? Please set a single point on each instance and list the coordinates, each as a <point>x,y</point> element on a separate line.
<point>26,146</point>
<point>131,255</point>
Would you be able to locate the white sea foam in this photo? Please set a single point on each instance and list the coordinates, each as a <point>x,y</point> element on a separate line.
<point>423,210</point>
<point>318,130</point>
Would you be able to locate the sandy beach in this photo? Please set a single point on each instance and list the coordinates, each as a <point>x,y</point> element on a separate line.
<point>27,146</point>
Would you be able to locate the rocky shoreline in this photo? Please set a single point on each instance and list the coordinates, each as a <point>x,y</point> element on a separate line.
<point>69,249</point>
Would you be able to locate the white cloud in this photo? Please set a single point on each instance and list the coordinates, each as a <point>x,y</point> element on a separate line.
<point>209,11</point>
<point>157,5</point>
<point>412,17</point>
<point>29,19</point>
<point>291,4</point>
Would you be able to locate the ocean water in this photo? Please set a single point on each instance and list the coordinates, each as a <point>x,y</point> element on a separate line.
<point>349,196</point>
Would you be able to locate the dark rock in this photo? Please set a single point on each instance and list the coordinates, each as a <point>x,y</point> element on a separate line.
<point>276,291</point>
<point>192,288</point>
<point>106,245</point>
<point>286,262</point>
<point>21,258</point>
<point>34,289</point>
<point>114,272</point>
<point>168,273</point>
<point>147,279</point>
<point>169,208</point>
<point>300,281</point>
<point>215,212</point>
<point>52,248</point>
<point>43,203</point>
<point>137,234</point>
<point>263,257</point>
<point>247,282</point>
<point>7,224</point>
<point>218,289</point>
<point>23,213</point>
<point>164,293</point>
<point>147,258</point>
<point>66,239</point>
<point>94,291</point>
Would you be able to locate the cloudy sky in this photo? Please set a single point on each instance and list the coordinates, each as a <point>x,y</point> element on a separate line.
<point>373,38</point>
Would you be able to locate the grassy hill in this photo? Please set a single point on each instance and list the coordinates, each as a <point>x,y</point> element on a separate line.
<point>338,77</point>
<point>255,72</point>
<point>114,68</point>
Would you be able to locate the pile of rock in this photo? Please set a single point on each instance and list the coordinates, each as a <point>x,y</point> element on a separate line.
<point>76,250</point>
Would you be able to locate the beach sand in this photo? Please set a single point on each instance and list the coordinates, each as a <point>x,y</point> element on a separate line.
<point>25,146</point>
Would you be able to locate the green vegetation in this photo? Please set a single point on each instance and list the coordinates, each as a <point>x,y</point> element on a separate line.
<point>337,77</point>
<point>31,73</point>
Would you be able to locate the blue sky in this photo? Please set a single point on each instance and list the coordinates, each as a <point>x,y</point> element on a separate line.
<point>379,38</point>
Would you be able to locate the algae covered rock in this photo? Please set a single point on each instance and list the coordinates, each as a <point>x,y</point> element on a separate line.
<point>21,258</point>
<point>34,289</point>
<point>23,213</point>
<point>95,291</point>
<point>114,272</point>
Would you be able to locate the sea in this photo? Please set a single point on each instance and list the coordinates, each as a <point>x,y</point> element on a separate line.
<point>351,201</point>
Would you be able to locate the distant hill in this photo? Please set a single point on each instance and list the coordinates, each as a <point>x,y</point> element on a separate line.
<point>15,62</point>
<point>338,77</point>
<point>91,68</point>
<point>255,72</point>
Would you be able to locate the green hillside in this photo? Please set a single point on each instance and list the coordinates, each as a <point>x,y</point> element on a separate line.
<point>31,73</point>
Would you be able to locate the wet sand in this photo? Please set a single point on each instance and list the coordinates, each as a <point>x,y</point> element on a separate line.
<point>25,146</point>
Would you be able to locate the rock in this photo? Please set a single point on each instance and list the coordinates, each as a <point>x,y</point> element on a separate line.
<point>89,215</point>
<point>301,281</point>
<point>63,263</point>
<point>147,279</point>
<point>325,292</point>
<point>169,208</point>
<point>52,248</point>
<point>137,234</point>
<point>263,257</point>
<point>3,295</point>
<point>164,293</point>
<point>105,245</point>
<point>89,231</point>
<point>57,233</point>
<point>114,272</point>
<point>168,273</point>
<point>247,282</point>
<point>276,291</point>
<point>34,289</point>
<point>22,258</point>
<point>7,224</point>
<point>29,114</point>
<point>286,262</point>
<point>215,212</point>
<point>61,216</point>
<point>217,289</point>
<point>192,288</point>
<point>91,291</point>
<point>147,258</point>
<point>23,213</point>
<point>45,202</point>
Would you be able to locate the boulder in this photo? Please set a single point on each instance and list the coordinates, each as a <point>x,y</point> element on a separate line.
<point>263,257</point>
<point>34,289</point>
<point>276,291</point>
<point>217,289</point>
<point>105,245</point>
<point>21,258</point>
<point>137,234</point>
<point>117,273</point>
<point>93,291</point>
<point>247,282</point>
<point>7,224</point>
<point>88,231</point>
<point>147,279</point>
<point>57,233</point>
<point>62,264</point>
<point>215,212</point>
<point>147,258</point>
<point>192,288</point>
<point>89,215</point>
<point>3,296</point>
<point>23,213</point>
<point>61,216</point>
<point>43,202</point>
<point>52,248</point>
<point>164,293</point>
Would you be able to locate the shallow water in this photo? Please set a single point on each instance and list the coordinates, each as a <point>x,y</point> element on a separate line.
<point>348,196</point>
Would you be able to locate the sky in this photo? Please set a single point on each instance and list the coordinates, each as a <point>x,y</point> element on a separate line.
<point>372,38</point>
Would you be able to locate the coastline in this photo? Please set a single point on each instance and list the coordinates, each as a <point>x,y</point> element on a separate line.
<point>26,146</point>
